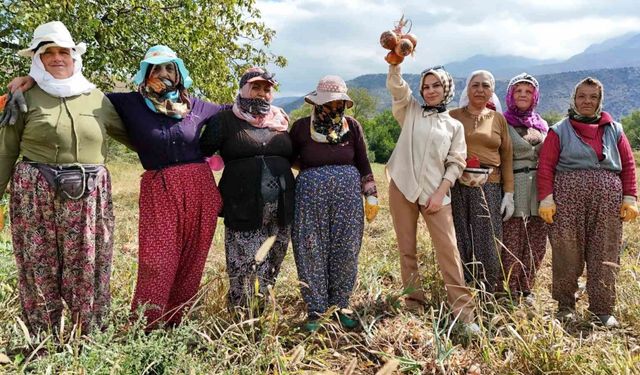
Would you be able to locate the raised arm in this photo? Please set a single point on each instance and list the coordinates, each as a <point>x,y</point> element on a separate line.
<point>400,92</point>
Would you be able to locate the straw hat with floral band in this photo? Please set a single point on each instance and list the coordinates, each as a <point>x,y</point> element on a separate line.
<point>328,124</point>
<point>163,96</point>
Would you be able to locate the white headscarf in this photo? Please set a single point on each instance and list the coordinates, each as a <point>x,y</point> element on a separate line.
<point>464,97</point>
<point>75,85</point>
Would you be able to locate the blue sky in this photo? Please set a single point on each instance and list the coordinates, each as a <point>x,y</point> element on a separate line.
<point>341,36</point>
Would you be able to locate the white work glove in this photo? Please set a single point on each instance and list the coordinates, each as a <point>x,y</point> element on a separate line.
<point>507,207</point>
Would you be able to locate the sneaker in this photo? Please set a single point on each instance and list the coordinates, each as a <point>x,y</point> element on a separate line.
<point>609,321</point>
<point>471,329</point>
<point>347,320</point>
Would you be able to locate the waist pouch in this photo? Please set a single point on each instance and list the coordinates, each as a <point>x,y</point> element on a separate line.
<point>71,181</point>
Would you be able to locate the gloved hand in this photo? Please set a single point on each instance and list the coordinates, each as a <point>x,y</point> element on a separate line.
<point>629,209</point>
<point>371,208</point>
<point>507,207</point>
<point>547,209</point>
<point>2,211</point>
<point>15,104</point>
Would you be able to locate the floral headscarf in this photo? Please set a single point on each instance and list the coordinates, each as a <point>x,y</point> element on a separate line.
<point>164,96</point>
<point>328,125</point>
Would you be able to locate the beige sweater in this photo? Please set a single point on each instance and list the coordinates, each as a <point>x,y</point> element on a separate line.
<point>430,148</point>
<point>489,140</point>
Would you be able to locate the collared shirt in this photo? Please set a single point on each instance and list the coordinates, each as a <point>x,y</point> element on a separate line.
<point>430,148</point>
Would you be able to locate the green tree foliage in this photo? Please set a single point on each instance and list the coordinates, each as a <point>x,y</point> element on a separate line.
<point>217,39</point>
<point>552,117</point>
<point>303,111</point>
<point>364,104</point>
<point>631,126</point>
<point>382,133</point>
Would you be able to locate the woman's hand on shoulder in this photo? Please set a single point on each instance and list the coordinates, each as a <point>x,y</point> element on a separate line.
<point>23,84</point>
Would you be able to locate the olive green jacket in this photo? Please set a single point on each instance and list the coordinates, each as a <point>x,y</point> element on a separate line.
<point>60,130</point>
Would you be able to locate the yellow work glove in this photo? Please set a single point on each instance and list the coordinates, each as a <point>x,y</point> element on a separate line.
<point>547,209</point>
<point>629,209</point>
<point>2,211</point>
<point>371,208</point>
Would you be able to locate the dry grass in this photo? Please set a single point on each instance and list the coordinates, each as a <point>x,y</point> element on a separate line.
<point>516,339</point>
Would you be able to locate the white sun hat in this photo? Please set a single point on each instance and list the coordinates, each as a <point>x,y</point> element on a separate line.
<point>56,33</point>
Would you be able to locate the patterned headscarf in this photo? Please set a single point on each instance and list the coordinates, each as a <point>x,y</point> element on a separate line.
<point>528,118</point>
<point>164,96</point>
<point>329,125</point>
<point>494,101</point>
<point>257,111</point>
<point>447,84</point>
<point>573,111</point>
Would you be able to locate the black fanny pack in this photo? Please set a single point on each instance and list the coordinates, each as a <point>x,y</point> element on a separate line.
<point>71,181</point>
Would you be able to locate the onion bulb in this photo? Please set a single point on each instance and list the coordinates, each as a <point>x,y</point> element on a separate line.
<point>389,39</point>
<point>413,38</point>
<point>393,59</point>
<point>404,47</point>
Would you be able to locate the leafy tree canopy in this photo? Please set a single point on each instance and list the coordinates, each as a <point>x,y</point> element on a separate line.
<point>631,126</point>
<point>217,39</point>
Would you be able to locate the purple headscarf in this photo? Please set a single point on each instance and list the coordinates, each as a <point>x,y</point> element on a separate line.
<point>529,118</point>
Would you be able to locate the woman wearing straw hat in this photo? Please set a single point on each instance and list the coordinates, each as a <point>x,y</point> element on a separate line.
<point>177,220</point>
<point>61,210</point>
<point>330,150</point>
<point>257,187</point>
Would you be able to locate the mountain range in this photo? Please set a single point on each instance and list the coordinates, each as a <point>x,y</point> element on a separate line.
<point>615,62</point>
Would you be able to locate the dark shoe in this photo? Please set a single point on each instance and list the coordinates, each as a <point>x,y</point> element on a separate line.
<point>347,320</point>
<point>311,326</point>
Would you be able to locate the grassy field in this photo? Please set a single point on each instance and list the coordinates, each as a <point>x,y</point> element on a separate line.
<point>516,339</point>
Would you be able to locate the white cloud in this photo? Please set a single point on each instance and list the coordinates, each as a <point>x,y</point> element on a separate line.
<point>320,37</point>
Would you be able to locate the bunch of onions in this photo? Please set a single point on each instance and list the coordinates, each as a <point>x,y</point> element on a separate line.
<point>400,44</point>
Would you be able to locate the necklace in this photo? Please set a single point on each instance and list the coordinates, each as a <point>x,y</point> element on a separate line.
<point>484,114</point>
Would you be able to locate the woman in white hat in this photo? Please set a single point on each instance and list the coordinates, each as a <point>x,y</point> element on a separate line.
<point>330,150</point>
<point>61,211</point>
<point>257,187</point>
<point>428,159</point>
<point>480,209</point>
<point>177,220</point>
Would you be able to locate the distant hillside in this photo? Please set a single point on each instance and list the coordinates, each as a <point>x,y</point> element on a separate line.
<point>618,52</point>
<point>622,89</point>
<point>614,53</point>
<point>500,66</point>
